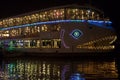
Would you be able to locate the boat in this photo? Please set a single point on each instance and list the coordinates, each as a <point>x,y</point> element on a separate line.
<point>62,29</point>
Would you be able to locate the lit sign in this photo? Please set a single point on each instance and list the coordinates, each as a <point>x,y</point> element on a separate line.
<point>76,33</point>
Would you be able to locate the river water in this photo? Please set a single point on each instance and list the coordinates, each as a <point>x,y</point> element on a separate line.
<point>39,68</point>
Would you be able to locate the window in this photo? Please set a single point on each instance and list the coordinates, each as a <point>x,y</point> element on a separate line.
<point>56,43</point>
<point>53,43</point>
<point>27,31</point>
<point>38,44</point>
<point>55,27</point>
<point>44,28</point>
<point>5,34</point>
<point>33,43</point>
<point>36,29</point>
<point>46,43</point>
<point>5,23</point>
<point>13,32</point>
<point>19,43</point>
<point>26,43</point>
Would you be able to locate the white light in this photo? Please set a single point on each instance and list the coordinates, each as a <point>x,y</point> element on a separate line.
<point>88,11</point>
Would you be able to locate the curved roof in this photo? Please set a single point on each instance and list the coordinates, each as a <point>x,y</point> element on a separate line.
<point>89,7</point>
<point>79,12</point>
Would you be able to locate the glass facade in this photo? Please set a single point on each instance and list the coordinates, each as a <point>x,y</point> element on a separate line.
<point>50,15</point>
<point>30,30</point>
<point>55,43</point>
<point>33,43</point>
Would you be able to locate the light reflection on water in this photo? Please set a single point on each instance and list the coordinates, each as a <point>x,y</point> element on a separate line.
<point>52,69</point>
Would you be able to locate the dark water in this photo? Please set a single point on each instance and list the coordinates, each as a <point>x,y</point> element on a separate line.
<point>32,68</point>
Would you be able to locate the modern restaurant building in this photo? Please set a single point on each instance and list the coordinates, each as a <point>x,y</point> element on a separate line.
<point>62,29</point>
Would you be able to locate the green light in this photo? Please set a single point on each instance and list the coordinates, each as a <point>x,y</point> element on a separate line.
<point>76,33</point>
<point>11,46</point>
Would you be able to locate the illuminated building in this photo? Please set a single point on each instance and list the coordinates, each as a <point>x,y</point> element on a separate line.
<point>70,28</point>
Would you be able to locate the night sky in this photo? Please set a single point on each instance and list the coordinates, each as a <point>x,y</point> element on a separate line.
<point>12,8</point>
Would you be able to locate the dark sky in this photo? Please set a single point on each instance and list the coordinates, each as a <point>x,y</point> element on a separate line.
<point>12,8</point>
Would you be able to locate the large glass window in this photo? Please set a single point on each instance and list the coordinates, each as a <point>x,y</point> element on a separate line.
<point>35,17</point>
<point>55,27</point>
<point>5,23</point>
<point>36,29</point>
<point>53,43</point>
<point>5,33</point>
<point>43,16</point>
<point>56,43</point>
<point>46,43</point>
<point>25,20</point>
<point>58,14</point>
<point>82,14</point>
<point>13,32</point>
<point>11,22</point>
<point>27,31</point>
<point>33,43</point>
<point>18,21</point>
<point>44,28</point>
<point>36,43</point>
<point>27,43</point>
<point>73,14</point>
<point>51,15</point>
<point>20,43</point>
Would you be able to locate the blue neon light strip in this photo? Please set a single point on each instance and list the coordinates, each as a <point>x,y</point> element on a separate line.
<point>101,23</point>
<point>59,21</point>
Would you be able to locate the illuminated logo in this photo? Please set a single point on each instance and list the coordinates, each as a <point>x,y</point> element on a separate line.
<point>76,33</point>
